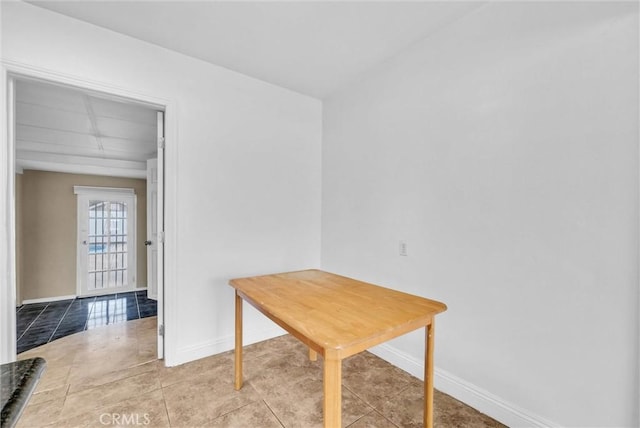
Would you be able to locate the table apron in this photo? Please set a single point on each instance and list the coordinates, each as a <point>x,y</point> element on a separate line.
<point>352,349</point>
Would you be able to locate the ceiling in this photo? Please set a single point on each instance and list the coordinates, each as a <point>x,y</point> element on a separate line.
<point>64,129</point>
<point>312,47</point>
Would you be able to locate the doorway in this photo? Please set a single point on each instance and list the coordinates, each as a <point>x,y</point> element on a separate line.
<point>106,260</point>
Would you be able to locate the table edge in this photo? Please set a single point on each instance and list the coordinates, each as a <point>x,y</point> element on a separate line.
<point>345,350</point>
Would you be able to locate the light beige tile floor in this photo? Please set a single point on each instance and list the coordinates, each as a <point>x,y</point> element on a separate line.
<point>109,377</point>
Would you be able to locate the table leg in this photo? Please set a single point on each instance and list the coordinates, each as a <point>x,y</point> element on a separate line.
<point>313,355</point>
<point>238,350</point>
<point>428,375</point>
<point>332,393</point>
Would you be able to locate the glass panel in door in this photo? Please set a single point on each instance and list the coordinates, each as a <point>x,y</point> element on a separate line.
<point>107,250</point>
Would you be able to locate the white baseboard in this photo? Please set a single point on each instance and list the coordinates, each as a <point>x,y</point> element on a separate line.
<point>223,344</point>
<point>476,397</point>
<point>48,299</point>
<point>69,297</point>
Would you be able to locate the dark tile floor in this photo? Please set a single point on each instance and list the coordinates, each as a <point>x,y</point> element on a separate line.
<point>40,323</point>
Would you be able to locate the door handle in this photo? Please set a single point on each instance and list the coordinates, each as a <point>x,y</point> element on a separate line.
<point>147,243</point>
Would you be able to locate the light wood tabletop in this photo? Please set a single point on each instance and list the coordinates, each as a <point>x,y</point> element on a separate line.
<point>337,317</point>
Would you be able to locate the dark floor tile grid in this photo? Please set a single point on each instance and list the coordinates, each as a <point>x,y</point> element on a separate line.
<point>133,312</point>
<point>43,326</point>
<point>27,314</point>
<point>40,323</point>
<point>75,320</point>
<point>147,307</point>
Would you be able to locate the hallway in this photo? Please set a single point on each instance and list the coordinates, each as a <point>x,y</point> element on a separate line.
<point>40,323</point>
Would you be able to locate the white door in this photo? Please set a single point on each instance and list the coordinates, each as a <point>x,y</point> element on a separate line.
<point>152,229</point>
<point>106,240</point>
<point>159,242</point>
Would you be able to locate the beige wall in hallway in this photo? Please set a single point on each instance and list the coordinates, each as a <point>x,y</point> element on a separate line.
<point>46,230</point>
<point>19,238</point>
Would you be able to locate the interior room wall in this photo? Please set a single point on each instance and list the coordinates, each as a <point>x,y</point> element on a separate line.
<point>19,238</point>
<point>242,176</point>
<point>49,230</point>
<point>504,151</point>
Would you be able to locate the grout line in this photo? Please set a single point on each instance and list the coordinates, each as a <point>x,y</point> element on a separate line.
<point>221,415</point>
<point>272,412</point>
<point>60,322</point>
<point>137,304</point>
<point>371,407</point>
<point>112,315</point>
<point>64,400</point>
<point>111,382</point>
<point>93,305</point>
<point>361,417</point>
<point>164,400</point>
<point>35,319</point>
<point>386,418</point>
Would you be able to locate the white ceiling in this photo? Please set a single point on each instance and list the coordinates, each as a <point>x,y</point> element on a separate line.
<point>67,130</point>
<point>312,47</point>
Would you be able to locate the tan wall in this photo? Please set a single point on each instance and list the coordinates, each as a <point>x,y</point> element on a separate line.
<point>47,210</point>
<point>19,238</point>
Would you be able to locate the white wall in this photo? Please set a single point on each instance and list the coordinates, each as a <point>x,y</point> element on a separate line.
<point>243,167</point>
<point>504,151</point>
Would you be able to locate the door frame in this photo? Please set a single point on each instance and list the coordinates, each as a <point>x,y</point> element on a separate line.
<point>9,72</point>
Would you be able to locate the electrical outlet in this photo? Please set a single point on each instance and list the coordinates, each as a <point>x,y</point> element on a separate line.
<point>403,248</point>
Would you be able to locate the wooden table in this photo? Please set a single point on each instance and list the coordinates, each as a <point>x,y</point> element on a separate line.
<point>337,317</point>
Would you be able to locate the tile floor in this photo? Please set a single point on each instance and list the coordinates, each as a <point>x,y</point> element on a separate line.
<point>109,376</point>
<point>40,323</point>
